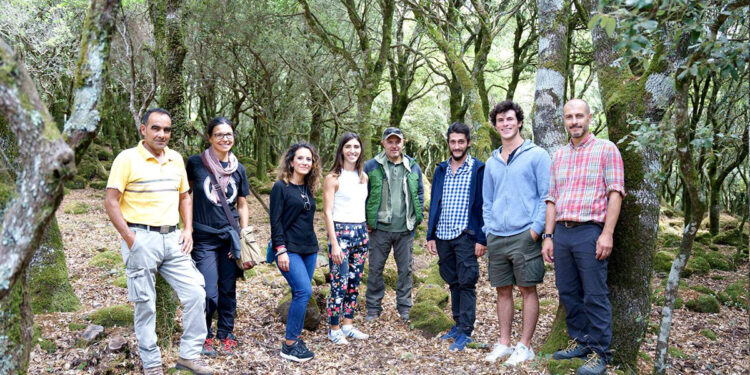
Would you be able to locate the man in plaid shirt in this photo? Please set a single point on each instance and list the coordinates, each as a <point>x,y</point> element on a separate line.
<point>454,229</point>
<point>585,194</point>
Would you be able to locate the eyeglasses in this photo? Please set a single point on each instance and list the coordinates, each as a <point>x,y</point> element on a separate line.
<point>224,136</point>
<point>307,205</point>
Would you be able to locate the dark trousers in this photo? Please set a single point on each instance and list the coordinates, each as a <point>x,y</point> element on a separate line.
<point>380,246</point>
<point>460,269</point>
<point>220,274</point>
<point>581,281</point>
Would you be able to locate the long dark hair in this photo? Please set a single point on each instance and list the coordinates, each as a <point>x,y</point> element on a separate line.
<point>338,163</point>
<point>216,121</point>
<point>285,170</point>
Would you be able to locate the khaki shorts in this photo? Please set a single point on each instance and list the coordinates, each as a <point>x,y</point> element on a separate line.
<point>515,260</point>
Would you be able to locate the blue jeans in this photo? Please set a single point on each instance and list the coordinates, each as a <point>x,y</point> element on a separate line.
<point>581,281</point>
<point>220,273</point>
<point>460,269</point>
<point>299,277</point>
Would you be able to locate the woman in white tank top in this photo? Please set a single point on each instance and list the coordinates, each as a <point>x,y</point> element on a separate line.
<point>344,195</point>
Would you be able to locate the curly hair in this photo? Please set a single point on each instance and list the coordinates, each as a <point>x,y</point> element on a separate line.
<point>503,107</point>
<point>285,169</point>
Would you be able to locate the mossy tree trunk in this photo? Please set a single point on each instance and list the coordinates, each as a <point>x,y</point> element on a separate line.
<point>645,97</point>
<point>16,322</point>
<point>170,51</point>
<point>552,70</point>
<point>49,287</point>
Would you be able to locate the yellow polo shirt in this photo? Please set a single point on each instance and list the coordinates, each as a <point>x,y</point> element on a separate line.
<point>150,190</point>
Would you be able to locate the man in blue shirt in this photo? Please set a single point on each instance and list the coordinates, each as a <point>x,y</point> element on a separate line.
<point>515,187</point>
<point>454,229</point>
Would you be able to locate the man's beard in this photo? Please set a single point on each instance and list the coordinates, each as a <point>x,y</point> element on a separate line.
<point>453,156</point>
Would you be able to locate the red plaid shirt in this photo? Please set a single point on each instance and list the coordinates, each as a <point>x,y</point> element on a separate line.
<point>582,177</point>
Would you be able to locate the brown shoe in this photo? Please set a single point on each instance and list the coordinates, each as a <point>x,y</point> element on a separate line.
<point>196,366</point>
<point>153,371</point>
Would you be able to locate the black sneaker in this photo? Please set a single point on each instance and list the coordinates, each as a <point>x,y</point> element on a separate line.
<point>297,352</point>
<point>574,350</point>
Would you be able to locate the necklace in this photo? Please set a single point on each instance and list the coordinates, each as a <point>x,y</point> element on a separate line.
<point>305,199</point>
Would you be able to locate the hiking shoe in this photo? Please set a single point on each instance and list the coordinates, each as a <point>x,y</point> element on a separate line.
<point>153,371</point>
<point>371,315</point>
<point>353,333</point>
<point>208,347</point>
<point>460,342</point>
<point>498,350</point>
<point>196,366</point>
<point>228,344</point>
<point>297,352</point>
<point>520,354</point>
<point>451,335</point>
<point>404,315</point>
<point>574,350</point>
<point>594,365</point>
<point>338,337</point>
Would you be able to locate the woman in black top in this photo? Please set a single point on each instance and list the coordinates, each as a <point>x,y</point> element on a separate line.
<point>293,237</point>
<point>216,243</point>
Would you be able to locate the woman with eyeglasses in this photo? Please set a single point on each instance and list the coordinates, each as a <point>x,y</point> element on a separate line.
<point>216,243</point>
<point>293,239</point>
<point>344,195</point>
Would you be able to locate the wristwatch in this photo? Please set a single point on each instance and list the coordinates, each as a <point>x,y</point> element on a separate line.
<point>548,235</point>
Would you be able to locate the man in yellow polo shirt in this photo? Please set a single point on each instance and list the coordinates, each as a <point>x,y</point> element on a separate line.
<point>146,191</point>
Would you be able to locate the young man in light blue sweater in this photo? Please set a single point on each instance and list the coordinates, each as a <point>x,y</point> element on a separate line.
<point>516,181</point>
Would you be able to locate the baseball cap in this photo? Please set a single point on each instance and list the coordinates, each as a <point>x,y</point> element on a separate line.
<point>393,131</point>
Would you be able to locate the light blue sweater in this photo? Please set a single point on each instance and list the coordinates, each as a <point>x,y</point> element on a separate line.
<point>514,193</point>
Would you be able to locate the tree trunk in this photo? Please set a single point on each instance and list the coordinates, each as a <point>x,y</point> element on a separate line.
<point>549,94</point>
<point>170,51</point>
<point>693,215</point>
<point>16,321</point>
<point>714,209</point>
<point>49,287</point>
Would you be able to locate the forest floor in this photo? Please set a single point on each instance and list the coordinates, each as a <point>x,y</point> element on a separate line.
<point>393,348</point>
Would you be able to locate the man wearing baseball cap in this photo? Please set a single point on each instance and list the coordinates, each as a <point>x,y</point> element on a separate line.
<point>394,209</point>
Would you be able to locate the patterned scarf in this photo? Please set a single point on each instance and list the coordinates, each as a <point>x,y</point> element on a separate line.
<point>222,174</point>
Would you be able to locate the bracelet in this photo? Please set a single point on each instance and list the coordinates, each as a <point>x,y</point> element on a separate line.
<point>281,252</point>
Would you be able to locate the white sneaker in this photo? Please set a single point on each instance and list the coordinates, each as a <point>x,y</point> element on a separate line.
<point>354,333</point>
<point>498,350</point>
<point>338,337</point>
<point>521,354</point>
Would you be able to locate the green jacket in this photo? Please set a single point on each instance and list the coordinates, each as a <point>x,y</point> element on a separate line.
<point>377,174</point>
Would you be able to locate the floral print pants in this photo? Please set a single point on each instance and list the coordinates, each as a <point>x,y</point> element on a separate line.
<point>345,277</point>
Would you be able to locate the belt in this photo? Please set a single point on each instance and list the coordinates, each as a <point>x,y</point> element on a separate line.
<point>573,224</point>
<point>163,229</point>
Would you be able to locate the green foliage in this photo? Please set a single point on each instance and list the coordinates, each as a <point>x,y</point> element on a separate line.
<point>709,334</point>
<point>731,238</point>
<point>76,183</point>
<point>77,208</point>
<point>738,293</point>
<point>668,239</point>
<point>718,261</point>
<point>390,278</point>
<point>676,352</point>
<point>98,184</point>
<point>564,367</point>
<point>663,261</point>
<point>429,318</point>
<point>74,327</point>
<point>704,304</point>
<point>432,294</point>
<point>121,282</point>
<point>696,265</point>
<point>118,315</point>
<point>107,260</point>
<point>703,289</point>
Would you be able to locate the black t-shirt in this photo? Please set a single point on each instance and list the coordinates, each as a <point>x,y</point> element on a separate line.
<point>291,222</point>
<point>207,208</point>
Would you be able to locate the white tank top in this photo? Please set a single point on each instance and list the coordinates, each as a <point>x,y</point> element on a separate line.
<point>349,199</point>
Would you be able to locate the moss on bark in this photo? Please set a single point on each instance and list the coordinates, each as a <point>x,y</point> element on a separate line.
<point>166,312</point>
<point>558,335</point>
<point>16,322</point>
<point>49,287</point>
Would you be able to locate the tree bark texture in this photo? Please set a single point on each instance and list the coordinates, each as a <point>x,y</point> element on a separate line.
<point>549,94</point>
<point>16,321</point>
<point>693,216</point>
<point>49,287</point>
<point>170,51</point>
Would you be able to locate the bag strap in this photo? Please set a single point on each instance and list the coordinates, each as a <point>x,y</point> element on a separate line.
<point>221,195</point>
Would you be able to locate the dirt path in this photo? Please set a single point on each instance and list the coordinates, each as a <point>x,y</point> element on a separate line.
<point>393,348</point>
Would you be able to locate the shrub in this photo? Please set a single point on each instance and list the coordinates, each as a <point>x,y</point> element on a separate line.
<point>718,261</point>
<point>704,304</point>
<point>697,265</point>
<point>98,184</point>
<point>738,292</point>
<point>76,208</point>
<point>77,182</point>
<point>119,315</point>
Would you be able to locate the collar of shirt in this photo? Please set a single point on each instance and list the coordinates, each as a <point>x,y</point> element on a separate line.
<point>585,142</point>
<point>146,154</point>
<point>464,168</point>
